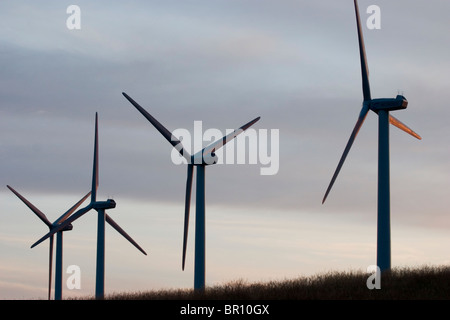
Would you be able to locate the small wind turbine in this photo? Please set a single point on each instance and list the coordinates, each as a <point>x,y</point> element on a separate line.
<point>382,107</point>
<point>201,159</point>
<point>100,207</point>
<point>59,242</point>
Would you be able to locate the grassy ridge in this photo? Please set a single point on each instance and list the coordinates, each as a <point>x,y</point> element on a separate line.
<point>401,283</point>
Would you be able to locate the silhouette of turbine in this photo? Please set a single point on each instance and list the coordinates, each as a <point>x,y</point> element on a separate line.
<point>100,207</point>
<point>381,107</point>
<point>59,241</point>
<point>201,159</point>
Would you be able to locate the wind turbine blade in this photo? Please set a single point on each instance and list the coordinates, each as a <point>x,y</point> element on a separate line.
<point>359,123</point>
<point>38,212</point>
<point>166,133</point>
<point>71,210</point>
<point>221,142</point>
<point>50,265</point>
<point>394,121</point>
<point>63,224</point>
<point>187,208</point>
<point>123,233</point>
<point>95,165</point>
<point>362,54</point>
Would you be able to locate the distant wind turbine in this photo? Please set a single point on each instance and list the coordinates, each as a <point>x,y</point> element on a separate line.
<point>382,107</point>
<point>201,159</point>
<point>59,241</point>
<point>100,207</point>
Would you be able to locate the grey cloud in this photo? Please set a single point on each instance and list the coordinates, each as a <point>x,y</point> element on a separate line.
<point>293,63</point>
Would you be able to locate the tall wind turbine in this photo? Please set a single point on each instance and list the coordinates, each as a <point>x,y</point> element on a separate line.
<point>100,207</point>
<point>200,159</point>
<point>381,107</point>
<point>59,241</point>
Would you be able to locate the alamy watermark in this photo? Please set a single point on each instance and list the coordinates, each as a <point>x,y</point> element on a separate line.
<point>74,280</point>
<point>374,280</point>
<point>249,147</point>
<point>374,20</point>
<point>73,22</point>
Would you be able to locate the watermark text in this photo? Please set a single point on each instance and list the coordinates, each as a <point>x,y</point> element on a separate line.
<point>250,147</point>
<point>374,280</point>
<point>74,280</point>
<point>374,20</point>
<point>73,22</point>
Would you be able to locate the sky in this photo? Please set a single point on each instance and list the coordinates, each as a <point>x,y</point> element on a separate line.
<point>293,63</point>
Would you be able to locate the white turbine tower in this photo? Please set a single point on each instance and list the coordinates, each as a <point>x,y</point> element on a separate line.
<point>59,242</point>
<point>100,207</point>
<point>381,107</point>
<point>201,159</point>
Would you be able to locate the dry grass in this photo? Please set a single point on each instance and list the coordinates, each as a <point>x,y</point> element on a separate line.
<point>401,283</point>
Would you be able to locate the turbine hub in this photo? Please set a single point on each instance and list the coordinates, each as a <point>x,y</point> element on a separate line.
<point>200,158</point>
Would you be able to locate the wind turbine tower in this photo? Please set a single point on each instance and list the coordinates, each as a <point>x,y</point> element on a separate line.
<point>200,160</point>
<point>59,241</point>
<point>382,107</point>
<point>100,207</point>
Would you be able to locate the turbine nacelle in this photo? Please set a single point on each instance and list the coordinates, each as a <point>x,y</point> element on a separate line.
<point>389,104</point>
<point>108,204</point>
<point>66,228</point>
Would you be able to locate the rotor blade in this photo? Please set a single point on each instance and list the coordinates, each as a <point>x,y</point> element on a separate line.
<point>38,212</point>
<point>50,264</point>
<point>221,142</point>
<point>95,165</point>
<point>362,54</point>
<point>123,233</point>
<point>63,224</point>
<point>394,121</point>
<point>187,208</point>
<point>71,210</point>
<point>166,133</point>
<point>359,123</point>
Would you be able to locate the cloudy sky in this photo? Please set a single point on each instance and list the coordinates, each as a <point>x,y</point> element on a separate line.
<point>293,63</point>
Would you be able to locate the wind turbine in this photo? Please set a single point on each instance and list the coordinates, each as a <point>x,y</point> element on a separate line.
<point>381,107</point>
<point>100,207</point>
<point>59,241</point>
<point>200,159</point>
